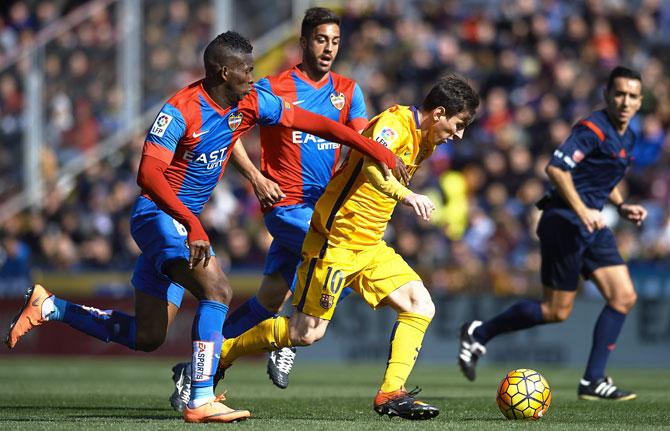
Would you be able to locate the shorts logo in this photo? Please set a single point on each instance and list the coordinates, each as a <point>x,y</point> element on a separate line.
<point>577,156</point>
<point>203,354</point>
<point>234,121</point>
<point>326,301</point>
<point>337,99</point>
<point>386,136</point>
<point>160,125</point>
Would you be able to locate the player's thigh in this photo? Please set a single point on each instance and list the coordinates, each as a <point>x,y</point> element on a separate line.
<point>385,272</point>
<point>288,227</point>
<point>204,282</point>
<point>153,318</point>
<point>305,329</point>
<point>322,275</point>
<point>561,247</point>
<point>616,286</point>
<point>412,297</point>
<point>557,304</point>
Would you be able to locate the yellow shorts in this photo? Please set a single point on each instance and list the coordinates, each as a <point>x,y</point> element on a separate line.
<point>325,270</point>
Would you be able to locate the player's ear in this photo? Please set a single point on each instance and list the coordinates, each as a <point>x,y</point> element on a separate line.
<point>224,73</point>
<point>438,112</point>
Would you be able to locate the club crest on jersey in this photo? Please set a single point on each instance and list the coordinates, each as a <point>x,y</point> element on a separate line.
<point>234,121</point>
<point>326,301</point>
<point>160,125</point>
<point>337,99</point>
<point>577,156</point>
<point>386,136</point>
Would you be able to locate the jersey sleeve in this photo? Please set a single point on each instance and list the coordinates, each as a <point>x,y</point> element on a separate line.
<point>270,107</point>
<point>358,116</point>
<point>581,142</point>
<point>164,135</point>
<point>392,134</point>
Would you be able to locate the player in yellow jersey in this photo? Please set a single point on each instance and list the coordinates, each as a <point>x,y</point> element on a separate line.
<point>344,246</point>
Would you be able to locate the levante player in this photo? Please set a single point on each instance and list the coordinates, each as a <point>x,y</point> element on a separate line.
<point>301,165</point>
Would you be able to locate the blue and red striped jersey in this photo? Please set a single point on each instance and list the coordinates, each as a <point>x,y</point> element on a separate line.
<point>195,137</point>
<point>302,164</point>
<point>597,158</point>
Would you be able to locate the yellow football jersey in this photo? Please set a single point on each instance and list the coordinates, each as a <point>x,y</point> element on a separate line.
<point>352,213</point>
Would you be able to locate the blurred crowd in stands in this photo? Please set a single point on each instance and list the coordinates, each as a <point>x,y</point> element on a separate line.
<point>539,66</point>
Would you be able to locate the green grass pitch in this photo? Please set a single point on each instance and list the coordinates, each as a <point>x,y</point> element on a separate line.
<point>89,393</point>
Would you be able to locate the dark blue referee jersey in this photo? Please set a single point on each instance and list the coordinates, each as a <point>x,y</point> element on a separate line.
<point>596,156</point>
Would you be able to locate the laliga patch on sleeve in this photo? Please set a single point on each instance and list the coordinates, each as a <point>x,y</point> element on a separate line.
<point>161,124</point>
<point>386,136</point>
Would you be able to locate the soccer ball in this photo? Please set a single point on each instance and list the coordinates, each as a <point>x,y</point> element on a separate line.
<point>523,394</point>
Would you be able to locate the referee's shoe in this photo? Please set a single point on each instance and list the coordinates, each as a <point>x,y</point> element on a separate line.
<point>603,389</point>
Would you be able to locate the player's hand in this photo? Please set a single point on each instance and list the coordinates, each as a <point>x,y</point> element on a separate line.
<point>592,219</point>
<point>198,246</point>
<point>423,206</point>
<point>267,191</point>
<point>400,171</point>
<point>633,213</point>
<point>198,250</point>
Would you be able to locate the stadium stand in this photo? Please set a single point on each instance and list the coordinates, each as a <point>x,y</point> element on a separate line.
<point>536,64</point>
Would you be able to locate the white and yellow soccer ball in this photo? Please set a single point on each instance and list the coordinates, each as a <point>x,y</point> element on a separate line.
<point>523,394</point>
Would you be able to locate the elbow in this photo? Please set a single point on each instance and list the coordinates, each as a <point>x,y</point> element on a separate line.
<point>141,180</point>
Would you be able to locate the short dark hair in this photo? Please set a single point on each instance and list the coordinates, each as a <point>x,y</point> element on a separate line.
<point>314,17</point>
<point>221,46</point>
<point>454,94</point>
<point>622,72</point>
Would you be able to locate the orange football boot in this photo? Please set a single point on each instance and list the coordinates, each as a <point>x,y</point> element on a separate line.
<point>404,404</point>
<point>29,316</point>
<point>214,411</point>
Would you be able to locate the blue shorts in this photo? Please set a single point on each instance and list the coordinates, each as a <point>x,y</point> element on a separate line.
<point>162,240</point>
<point>288,226</point>
<point>568,250</point>
<point>145,279</point>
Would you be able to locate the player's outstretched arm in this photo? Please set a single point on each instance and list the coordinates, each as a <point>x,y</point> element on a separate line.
<point>391,187</point>
<point>328,129</point>
<point>151,179</point>
<point>591,218</point>
<point>388,185</point>
<point>266,190</point>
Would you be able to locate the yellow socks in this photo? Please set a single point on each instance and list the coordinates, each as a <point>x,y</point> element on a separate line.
<point>405,346</point>
<point>270,334</point>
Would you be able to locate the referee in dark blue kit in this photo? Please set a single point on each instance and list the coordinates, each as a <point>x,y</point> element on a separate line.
<point>585,172</point>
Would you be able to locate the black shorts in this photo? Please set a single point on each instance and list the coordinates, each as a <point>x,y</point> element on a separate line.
<point>568,251</point>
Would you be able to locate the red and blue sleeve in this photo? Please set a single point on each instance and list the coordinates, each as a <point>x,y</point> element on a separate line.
<point>272,110</point>
<point>159,148</point>
<point>581,142</point>
<point>358,116</point>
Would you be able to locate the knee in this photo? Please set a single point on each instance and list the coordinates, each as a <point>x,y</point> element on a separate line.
<point>555,314</point>
<point>624,303</point>
<point>305,336</point>
<point>271,295</point>
<point>218,289</point>
<point>421,302</point>
<point>148,341</point>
